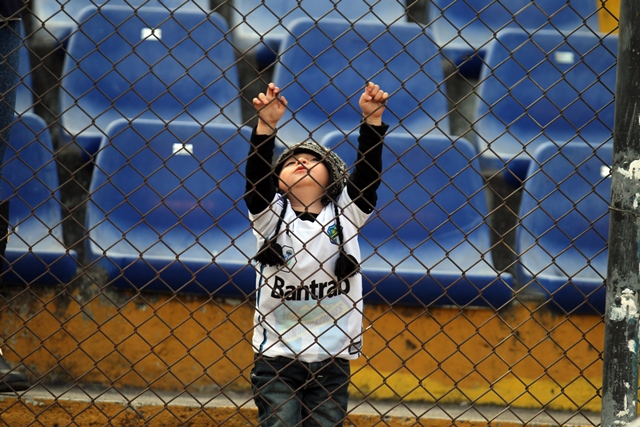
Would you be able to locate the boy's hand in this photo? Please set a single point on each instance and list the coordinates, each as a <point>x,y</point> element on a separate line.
<point>270,107</point>
<point>372,103</point>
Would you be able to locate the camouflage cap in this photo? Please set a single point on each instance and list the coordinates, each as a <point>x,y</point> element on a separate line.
<point>335,165</point>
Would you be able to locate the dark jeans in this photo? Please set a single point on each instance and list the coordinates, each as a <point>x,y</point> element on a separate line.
<point>289,393</point>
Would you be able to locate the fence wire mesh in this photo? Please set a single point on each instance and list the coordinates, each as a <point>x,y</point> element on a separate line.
<point>129,273</point>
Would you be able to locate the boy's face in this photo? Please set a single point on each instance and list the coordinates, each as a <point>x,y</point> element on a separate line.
<point>304,170</point>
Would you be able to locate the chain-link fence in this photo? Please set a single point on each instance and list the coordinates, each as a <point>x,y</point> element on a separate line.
<point>130,271</point>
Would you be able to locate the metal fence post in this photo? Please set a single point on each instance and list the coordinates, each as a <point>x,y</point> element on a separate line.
<point>620,367</point>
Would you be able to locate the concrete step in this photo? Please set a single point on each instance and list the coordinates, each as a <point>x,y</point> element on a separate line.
<point>86,406</point>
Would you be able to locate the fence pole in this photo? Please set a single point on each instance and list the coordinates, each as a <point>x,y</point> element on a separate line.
<point>620,367</point>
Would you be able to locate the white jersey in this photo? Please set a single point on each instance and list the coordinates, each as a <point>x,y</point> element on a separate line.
<point>301,312</point>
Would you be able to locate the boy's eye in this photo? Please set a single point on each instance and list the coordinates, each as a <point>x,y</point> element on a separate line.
<point>294,161</point>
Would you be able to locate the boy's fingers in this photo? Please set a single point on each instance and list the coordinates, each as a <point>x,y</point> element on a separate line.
<point>273,90</point>
<point>264,98</point>
<point>381,96</point>
<point>375,94</point>
<point>373,91</point>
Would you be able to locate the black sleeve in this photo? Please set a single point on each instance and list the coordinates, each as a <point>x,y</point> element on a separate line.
<point>260,187</point>
<point>363,183</point>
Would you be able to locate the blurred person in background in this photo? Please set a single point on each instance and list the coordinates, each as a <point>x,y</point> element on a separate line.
<point>10,42</point>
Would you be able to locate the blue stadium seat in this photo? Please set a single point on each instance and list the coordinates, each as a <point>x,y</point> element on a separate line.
<point>60,18</point>
<point>166,210</point>
<point>36,252</point>
<point>564,226</point>
<point>324,68</point>
<point>464,28</point>
<point>543,87</point>
<point>260,26</point>
<point>428,241</point>
<point>153,64</point>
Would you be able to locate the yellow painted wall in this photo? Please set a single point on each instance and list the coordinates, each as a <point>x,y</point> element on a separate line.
<point>522,356</point>
<point>608,15</point>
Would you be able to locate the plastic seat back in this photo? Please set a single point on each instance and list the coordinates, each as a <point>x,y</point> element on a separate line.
<point>324,67</point>
<point>261,26</point>
<point>564,225</point>
<point>156,64</point>
<point>463,28</point>
<point>166,210</point>
<point>427,241</point>
<point>36,251</point>
<point>544,87</point>
<point>59,18</point>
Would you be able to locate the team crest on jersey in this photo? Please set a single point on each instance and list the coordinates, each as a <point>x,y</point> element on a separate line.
<point>289,256</point>
<point>332,231</point>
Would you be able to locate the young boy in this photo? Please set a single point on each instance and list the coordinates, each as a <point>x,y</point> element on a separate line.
<point>306,215</point>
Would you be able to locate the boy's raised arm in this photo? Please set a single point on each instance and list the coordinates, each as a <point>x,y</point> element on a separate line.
<point>260,188</point>
<point>365,179</point>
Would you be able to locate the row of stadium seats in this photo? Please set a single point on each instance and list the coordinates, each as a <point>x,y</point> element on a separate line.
<point>462,29</point>
<point>167,201</point>
<point>182,66</point>
<point>165,213</point>
<point>538,87</point>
